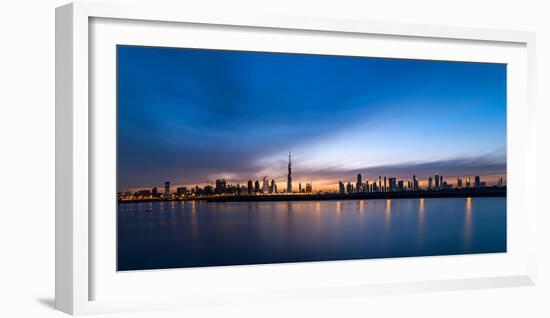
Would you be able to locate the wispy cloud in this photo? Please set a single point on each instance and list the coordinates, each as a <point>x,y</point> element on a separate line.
<point>189,115</point>
<point>489,164</point>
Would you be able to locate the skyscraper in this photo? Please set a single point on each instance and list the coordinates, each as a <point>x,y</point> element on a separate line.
<point>430,183</point>
<point>273,188</point>
<point>221,186</point>
<point>250,187</point>
<point>359,183</point>
<point>385,187</point>
<point>166,189</point>
<point>459,182</point>
<point>309,187</point>
<point>289,178</point>
<point>341,187</point>
<point>379,183</point>
<point>265,187</point>
<point>393,184</point>
<point>257,186</point>
<point>437,184</point>
<point>477,181</point>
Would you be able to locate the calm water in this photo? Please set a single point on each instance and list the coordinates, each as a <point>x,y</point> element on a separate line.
<point>189,234</point>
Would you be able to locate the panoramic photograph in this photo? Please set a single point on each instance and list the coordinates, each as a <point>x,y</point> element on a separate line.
<point>246,158</point>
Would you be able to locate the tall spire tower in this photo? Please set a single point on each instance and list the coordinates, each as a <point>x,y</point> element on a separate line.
<point>289,178</point>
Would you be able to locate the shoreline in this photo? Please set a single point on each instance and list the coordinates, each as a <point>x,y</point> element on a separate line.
<point>457,193</point>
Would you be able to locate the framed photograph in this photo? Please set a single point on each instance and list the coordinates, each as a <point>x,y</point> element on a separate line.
<point>218,159</point>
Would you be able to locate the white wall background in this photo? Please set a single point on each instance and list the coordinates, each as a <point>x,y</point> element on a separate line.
<point>27,158</point>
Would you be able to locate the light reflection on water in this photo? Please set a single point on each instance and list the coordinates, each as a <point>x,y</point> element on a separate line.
<point>387,212</point>
<point>187,234</point>
<point>468,223</point>
<point>421,222</point>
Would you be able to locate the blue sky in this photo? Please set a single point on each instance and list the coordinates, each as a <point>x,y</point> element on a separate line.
<point>191,116</point>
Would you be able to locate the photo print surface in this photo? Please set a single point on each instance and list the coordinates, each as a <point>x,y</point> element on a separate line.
<point>240,158</point>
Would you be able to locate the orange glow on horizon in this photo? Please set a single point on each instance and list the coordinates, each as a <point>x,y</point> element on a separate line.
<point>331,184</point>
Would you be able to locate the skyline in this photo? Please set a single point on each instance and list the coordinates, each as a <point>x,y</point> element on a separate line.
<point>429,183</point>
<point>193,116</point>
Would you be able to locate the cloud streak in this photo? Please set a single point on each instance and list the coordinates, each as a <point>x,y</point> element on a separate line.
<point>484,165</point>
<point>189,115</point>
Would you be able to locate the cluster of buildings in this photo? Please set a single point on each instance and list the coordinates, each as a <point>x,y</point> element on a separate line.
<point>384,184</point>
<point>266,187</point>
<point>220,187</point>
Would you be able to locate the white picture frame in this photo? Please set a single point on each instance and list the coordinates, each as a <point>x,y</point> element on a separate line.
<point>76,141</point>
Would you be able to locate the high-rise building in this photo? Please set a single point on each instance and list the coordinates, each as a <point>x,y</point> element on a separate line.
<point>393,184</point>
<point>309,187</point>
<point>341,187</point>
<point>459,182</point>
<point>468,182</point>
<point>273,188</point>
<point>289,177</point>
<point>437,184</point>
<point>430,183</point>
<point>441,181</point>
<point>385,187</point>
<point>250,187</point>
<point>221,186</point>
<point>367,186</point>
<point>299,187</point>
<point>400,186</point>
<point>359,183</point>
<point>257,186</point>
<point>265,186</point>
<point>349,188</point>
<point>415,183</point>
<point>500,182</point>
<point>166,189</point>
<point>477,181</point>
<point>379,183</point>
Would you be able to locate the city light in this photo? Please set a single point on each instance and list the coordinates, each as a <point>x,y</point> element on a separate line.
<point>375,187</point>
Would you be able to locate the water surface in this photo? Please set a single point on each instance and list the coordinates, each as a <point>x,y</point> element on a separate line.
<point>191,234</point>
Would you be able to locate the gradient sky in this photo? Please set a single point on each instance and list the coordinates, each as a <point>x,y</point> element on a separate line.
<point>192,116</point>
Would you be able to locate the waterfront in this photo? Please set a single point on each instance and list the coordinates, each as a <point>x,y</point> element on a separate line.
<point>175,234</point>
